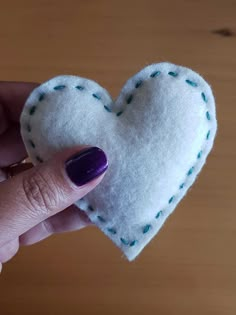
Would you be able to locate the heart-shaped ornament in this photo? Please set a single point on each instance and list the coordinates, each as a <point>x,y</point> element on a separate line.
<point>156,135</point>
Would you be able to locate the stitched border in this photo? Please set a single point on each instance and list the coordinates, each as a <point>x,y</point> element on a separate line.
<point>155,74</point>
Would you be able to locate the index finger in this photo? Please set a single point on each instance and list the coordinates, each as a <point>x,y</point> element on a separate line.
<point>13,96</point>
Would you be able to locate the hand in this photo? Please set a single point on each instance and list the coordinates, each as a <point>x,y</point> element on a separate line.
<point>36,202</point>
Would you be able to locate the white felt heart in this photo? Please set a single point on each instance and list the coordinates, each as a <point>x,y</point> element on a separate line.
<point>156,135</point>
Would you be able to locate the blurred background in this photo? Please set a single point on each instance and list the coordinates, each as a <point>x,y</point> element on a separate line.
<point>190,267</point>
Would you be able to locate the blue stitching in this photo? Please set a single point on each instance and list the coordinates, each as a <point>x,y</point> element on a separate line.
<point>194,84</point>
<point>199,154</point>
<point>173,74</point>
<point>32,110</point>
<point>138,84</point>
<point>39,159</point>
<point>32,144</point>
<point>208,135</point>
<point>208,116</point>
<point>204,97</point>
<point>107,109</point>
<point>155,74</point>
<point>124,241</point>
<point>101,219</point>
<point>147,227</point>
<point>41,97</point>
<point>171,199</point>
<point>159,214</point>
<point>129,99</point>
<point>59,87</point>
<point>111,230</point>
<point>98,97</point>
<point>133,243</point>
<point>190,172</point>
<point>119,113</point>
<point>28,127</point>
<point>91,208</point>
<point>79,87</point>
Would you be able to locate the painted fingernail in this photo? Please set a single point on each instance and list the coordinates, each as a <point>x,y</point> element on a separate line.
<point>86,165</point>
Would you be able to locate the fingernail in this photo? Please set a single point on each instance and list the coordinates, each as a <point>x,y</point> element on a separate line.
<point>86,165</point>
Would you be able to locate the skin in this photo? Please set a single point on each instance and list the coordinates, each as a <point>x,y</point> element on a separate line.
<point>37,201</point>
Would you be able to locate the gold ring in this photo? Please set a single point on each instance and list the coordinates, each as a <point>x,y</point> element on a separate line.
<point>9,170</point>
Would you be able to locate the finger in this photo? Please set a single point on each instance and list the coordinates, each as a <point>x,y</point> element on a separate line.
<point>71,219</point>
<point>8,250</point>
<point>12,149</point>
<point>13,96</point>
<point>32,196</point>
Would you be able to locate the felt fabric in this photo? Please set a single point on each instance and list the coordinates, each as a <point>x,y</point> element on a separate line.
<point>156,135</point>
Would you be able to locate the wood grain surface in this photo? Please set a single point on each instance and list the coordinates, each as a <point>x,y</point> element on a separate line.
<point>190,267</point>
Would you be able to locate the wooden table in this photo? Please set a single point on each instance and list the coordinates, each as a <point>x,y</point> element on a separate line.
<point>190,268</point>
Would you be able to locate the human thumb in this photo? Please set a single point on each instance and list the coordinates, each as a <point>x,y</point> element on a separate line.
<point>46,189</point>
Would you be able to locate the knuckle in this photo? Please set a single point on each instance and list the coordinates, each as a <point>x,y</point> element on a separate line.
<point>40,192</point>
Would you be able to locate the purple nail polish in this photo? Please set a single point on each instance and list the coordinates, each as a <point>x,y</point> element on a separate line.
<point>86,165</point>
